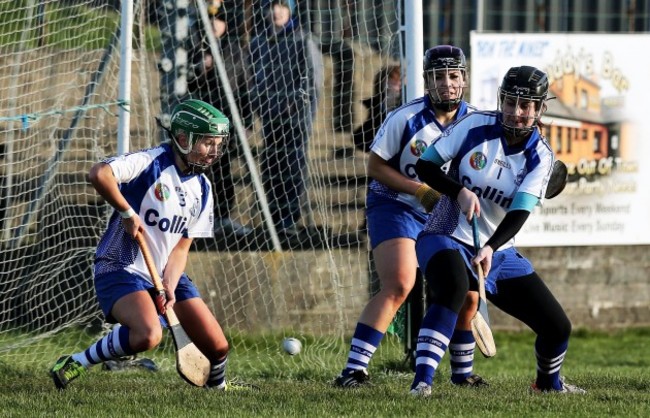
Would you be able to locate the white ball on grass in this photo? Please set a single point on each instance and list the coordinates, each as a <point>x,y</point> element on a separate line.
<point>291,346</point>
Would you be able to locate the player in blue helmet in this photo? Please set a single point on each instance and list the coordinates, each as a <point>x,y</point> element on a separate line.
<point>162,194</point>
<point>397,205</point>
<point>499,168</point>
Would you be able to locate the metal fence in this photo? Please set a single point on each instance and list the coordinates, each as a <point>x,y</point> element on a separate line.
<point>450,21</point>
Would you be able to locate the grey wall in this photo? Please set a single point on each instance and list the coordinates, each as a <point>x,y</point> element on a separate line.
<point>599,287</point>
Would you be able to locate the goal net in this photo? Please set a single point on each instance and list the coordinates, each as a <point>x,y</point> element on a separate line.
<point>290,252</point>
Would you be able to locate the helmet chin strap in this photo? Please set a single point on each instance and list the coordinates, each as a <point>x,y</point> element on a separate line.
<point>517,136</point>
<point>190,168</point>
<point>193,168</point>
<point>446,107</point>
<point>197,169</point>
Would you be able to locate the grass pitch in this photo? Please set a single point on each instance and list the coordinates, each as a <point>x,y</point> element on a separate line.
<point>613,367</point>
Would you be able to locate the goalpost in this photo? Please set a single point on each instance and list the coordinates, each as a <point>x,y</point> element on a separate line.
<point>61,101</point>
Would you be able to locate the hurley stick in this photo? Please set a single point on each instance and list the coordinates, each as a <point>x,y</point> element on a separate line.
<point>480,323</point>
<point>191,364</point>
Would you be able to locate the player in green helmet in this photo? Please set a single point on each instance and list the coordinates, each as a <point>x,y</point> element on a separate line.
<point>200,133</point>
<point>161,194</point>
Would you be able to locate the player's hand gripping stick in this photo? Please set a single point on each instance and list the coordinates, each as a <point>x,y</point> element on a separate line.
<point>480,323</point>
<point>191,364</point>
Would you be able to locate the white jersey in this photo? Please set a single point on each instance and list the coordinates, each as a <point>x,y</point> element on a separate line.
<point>402,139</point>
<point>482,162</point>
<point>171,205</point>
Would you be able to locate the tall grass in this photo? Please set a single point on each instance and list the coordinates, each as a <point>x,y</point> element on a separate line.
<point>613,367</point>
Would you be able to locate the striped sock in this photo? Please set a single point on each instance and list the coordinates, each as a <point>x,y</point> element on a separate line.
<point>111,347</point>
<point>217,378</point>
<point>437,326</point>
<point>364,344</point>
<point>461,353</point>
<point>549,361</point>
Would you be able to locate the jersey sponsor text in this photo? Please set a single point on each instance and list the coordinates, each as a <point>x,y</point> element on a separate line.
<point>174,226</point>
<point>488,192</point>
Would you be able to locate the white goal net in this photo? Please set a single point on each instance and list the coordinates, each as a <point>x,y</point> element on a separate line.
<point>290,253</point>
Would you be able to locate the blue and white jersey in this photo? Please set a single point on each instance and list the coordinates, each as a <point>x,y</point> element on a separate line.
<point>171,205</point>
<point>480,160</point>
<point>402,139</point>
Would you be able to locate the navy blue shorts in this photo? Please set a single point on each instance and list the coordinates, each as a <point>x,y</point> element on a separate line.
<point>506,264</point>
<point>110,287</point>
<point>388,219</point>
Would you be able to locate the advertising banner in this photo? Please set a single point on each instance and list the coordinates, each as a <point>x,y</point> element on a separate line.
<point>598,123</point>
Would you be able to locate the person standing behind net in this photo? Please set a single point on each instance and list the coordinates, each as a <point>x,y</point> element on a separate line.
<point>163,194</point>
<point>396,207</point>
<point>204,84</point>
<point>387,95</point>
<point>283,95</point>
<point>500,166</point>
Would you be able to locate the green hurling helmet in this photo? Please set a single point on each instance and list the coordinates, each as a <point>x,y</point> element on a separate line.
<point>196,118</point>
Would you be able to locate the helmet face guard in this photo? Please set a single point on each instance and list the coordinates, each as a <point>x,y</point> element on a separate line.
<point>200,161</point>
<point>521,99</point>
<point>449,63</point>
<point>202,125</point>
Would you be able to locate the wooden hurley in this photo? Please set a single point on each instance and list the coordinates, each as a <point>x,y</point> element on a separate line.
<point>191,364</point>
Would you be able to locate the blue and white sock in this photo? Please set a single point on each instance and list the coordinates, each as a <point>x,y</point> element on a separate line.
<point>461,353</point>
<point>549,361</point>
<point>111,347</point>
<point>364,344</point>
<point>217,378</point>
<point>437,326</point>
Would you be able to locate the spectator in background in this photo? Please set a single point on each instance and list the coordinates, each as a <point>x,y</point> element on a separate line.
<point>284,95</point>
<point>204,84</point>
<point>387,96</point>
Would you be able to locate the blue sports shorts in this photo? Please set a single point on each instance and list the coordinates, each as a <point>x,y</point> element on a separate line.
<point>388,219</point>
<point>506,264</point>
<point>110,287</point>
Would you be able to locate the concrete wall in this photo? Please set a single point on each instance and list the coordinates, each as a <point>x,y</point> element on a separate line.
<point>599,287</point>
<point>319,292</point>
